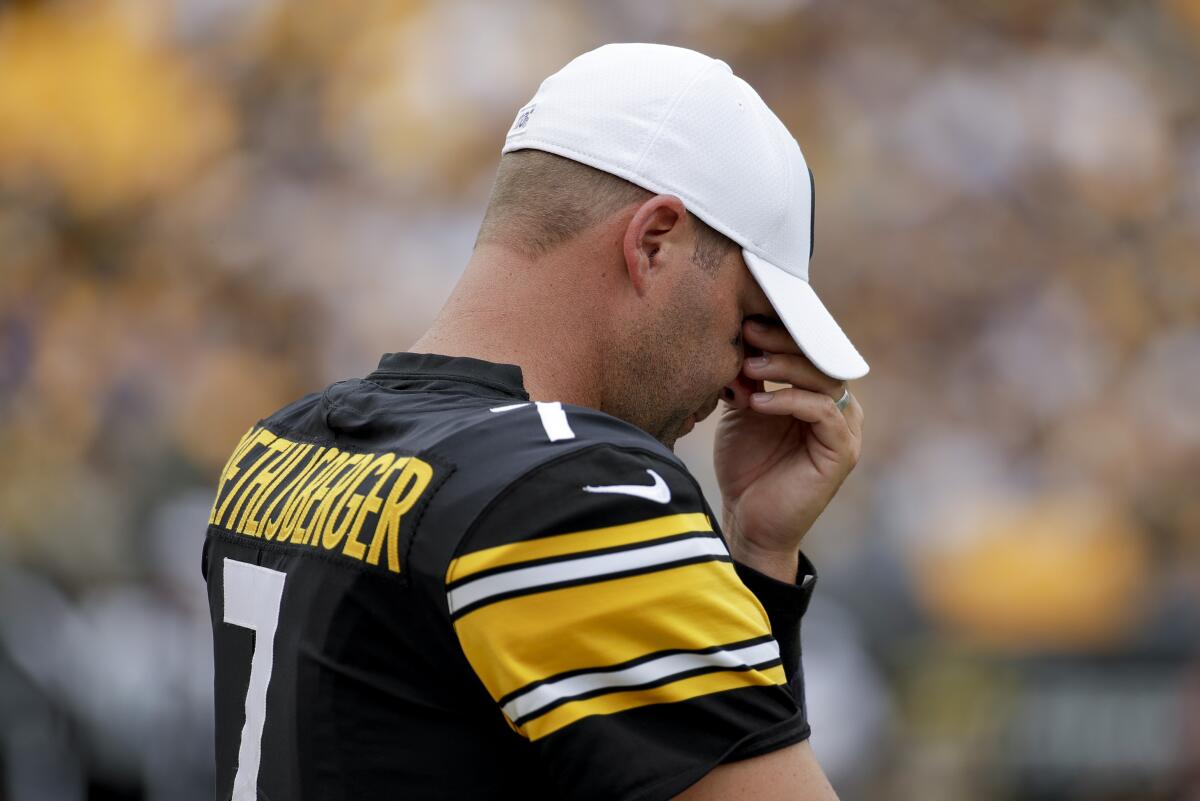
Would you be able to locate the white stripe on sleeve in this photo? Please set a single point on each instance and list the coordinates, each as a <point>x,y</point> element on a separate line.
<point>528,578</point>
<point>653,670</point>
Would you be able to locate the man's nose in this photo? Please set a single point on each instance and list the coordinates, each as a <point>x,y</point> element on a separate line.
<point>738,391</point>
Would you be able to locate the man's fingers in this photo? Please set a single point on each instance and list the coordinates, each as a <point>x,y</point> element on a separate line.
<point>771,337</point>
<point>797,370</point>
<point>794,369</point>
<point>782,361</point>
<point>817,409</point>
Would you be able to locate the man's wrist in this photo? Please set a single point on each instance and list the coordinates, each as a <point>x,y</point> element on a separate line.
<point>779,565</point>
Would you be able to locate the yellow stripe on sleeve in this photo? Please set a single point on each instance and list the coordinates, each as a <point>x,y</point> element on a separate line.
<point>563,544</point>
<point>527,638</point>
<point>682,690</point>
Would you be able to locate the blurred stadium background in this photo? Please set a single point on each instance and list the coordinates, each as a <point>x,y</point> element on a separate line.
<point>209,207</point>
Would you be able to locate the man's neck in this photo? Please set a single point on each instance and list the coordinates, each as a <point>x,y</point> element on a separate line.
<point>510,312</point>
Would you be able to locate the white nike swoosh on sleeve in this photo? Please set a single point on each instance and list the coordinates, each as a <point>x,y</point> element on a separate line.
<point>658,491</point>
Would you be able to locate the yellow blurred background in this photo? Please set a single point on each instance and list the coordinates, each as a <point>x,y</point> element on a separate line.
<point>211,207</point>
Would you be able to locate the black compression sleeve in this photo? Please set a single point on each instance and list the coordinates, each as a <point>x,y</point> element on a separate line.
<point>785,604</point>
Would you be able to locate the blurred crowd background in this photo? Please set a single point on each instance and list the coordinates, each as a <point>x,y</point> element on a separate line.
<point>210,207</point>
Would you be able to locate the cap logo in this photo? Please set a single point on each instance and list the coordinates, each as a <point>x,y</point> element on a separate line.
<point>522,120</point>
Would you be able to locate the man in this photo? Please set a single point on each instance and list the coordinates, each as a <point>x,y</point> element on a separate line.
<point>481,572</point>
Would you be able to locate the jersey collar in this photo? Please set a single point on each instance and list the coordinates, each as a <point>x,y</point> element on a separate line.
<point>397,369</point>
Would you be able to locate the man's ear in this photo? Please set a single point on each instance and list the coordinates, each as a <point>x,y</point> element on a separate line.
<point>657,224</point>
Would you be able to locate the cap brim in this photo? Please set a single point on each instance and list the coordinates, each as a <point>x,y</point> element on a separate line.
<point>807,320</point>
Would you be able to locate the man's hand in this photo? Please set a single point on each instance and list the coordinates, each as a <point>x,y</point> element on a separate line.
<point>780,457</point>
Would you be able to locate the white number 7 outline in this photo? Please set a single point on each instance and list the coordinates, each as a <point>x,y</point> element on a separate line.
<point>253,596</point>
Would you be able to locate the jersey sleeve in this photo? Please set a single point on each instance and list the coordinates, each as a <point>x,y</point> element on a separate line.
<point>598,604</point>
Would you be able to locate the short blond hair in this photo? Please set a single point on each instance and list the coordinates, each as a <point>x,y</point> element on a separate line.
<point>540,201</point>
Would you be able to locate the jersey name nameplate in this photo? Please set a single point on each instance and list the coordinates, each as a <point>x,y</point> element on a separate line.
<point>346,502</point>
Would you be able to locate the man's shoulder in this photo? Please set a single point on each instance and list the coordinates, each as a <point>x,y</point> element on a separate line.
<point>539,469</point>
<point>548,469</point>
<point>465,474</point>
<point>512,447</point>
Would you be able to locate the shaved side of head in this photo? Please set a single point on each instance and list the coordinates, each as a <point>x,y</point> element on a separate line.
<point>541,201</point>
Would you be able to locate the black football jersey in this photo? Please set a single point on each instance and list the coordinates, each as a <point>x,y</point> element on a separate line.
<point>425,586</point>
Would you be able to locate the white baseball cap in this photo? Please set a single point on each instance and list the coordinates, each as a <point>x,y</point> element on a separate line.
<point>677,122</point>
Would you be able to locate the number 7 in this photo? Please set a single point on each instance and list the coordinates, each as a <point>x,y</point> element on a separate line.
<point>253,596</point>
